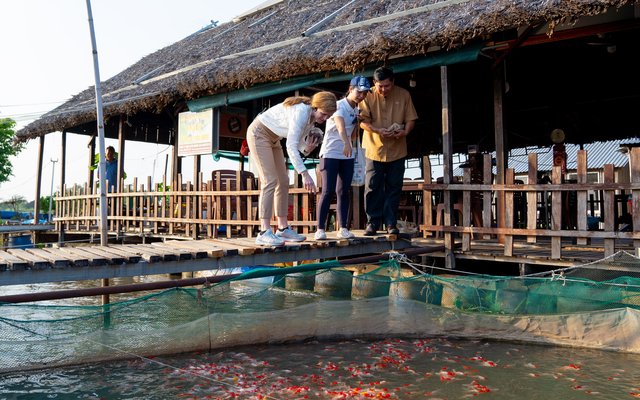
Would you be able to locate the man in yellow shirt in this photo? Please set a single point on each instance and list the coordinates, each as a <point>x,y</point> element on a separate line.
<point>387,116</point>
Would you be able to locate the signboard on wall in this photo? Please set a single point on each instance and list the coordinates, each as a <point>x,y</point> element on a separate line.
<point>198,132</point>
<point>233,122</point>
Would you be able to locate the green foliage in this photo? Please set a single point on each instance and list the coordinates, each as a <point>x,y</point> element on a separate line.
<point>44,204</point>
<point>8,147</point>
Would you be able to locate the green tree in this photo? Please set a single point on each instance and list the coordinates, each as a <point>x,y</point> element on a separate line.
<point>8,147</point>
<point>44,204</point>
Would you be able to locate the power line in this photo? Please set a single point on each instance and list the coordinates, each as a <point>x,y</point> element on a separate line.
<point>32,104</point>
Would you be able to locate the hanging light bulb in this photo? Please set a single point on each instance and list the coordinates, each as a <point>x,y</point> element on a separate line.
<point>412,81</point>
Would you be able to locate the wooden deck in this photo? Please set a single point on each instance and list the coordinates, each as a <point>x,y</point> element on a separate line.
<point>88,262</point>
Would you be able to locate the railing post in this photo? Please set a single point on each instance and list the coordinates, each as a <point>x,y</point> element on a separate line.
<point>487,212</point>
<point>556,213</point>
<point>609,212</point>
<point>427,200</point>
<point>509,214</point>
<point>466,210</point>
<point>582,196</point>
<point>532,197</point>
<point>634,168</point>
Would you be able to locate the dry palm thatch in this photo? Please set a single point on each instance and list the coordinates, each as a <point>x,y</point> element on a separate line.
<point>296,38</point>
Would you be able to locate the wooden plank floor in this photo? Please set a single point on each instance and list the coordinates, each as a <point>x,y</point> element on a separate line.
<point>85,262</point>
<point>25,266</point>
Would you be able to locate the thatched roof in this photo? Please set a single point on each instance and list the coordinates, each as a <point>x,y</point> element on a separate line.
<point>268,46</point>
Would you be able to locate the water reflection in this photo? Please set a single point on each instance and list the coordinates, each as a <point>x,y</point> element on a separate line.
<point>83,301</point>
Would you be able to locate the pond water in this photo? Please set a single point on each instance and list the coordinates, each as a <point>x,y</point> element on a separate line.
<point>393,368</point>
<point>427,368</point>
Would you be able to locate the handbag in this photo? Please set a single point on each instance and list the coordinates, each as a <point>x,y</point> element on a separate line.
<point>359,169</point>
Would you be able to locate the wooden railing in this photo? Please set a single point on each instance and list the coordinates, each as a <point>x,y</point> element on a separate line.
<point>568,204</point>
<point>483,210</point>
<point>218,207</point>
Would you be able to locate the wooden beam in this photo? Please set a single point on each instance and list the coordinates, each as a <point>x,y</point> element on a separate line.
<point>634,167</point>
<point>498,118</point>
<point>63,181</point>
<point>176,162</point>
<point>532,197</point>
<point>571,34</point>
<point>121,140</point>
<point>582,195</point>
<point>92,155</point>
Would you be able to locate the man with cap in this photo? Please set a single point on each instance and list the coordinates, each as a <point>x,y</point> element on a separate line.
<point>387,115</point>
<point>337,158</point>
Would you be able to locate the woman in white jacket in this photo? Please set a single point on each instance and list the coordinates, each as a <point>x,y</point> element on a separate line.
<point>292,119</point>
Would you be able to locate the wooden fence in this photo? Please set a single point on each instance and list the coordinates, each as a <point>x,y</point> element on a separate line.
<point>568,206</point>
<point>465,211</point>
<point>223,206</point>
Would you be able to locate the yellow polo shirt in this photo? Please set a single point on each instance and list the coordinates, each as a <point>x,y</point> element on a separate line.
<point>381,111</point>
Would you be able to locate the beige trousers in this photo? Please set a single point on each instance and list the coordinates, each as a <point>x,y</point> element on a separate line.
<point>268,157</point>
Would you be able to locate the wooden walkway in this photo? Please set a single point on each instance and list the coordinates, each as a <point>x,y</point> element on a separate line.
<point>87,262</point>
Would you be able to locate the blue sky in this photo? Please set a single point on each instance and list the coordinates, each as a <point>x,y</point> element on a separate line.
<point>46,52</point>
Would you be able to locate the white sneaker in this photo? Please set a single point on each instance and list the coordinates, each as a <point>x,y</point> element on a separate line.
<point>269,239</point>
<point>344,233</point>
<point>320,235</point>
<point>289,235</point>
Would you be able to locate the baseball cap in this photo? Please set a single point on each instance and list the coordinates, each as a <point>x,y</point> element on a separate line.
<point>361,83</point>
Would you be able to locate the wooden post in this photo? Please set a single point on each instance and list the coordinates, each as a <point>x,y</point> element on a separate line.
<point>556,213</point>
<point>176,162</point>
<point>487,173</point>
<point>634,168</point>
<point>36,203</point>
<point>582,196</point>
<point>427,199</point>
<point>509,214</point>
<point>498,90</point>
<point>63,175</point>
<point>609,210</point>
<point>121,140</point>
<point>532,197</point>
<point>197,204</point>
<point>466,210</point>
<point>92,156</point>
<point>447,151</point>
<point>356,192</point>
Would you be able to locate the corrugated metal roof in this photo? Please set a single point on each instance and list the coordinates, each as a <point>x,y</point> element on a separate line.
<point>598,154</point>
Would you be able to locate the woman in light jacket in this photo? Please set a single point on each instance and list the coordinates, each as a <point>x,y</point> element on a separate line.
<point>292,119</point>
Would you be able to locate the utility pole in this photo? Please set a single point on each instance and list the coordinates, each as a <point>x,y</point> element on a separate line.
<point>102,166</point>
<point>104,238</point>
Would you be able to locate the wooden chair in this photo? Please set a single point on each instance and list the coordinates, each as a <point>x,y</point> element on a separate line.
<point>230,207</point>
<point>457,207</point>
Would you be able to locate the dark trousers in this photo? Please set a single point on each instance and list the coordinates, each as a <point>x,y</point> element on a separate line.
<point>336,178</point>
<point>382,190</point>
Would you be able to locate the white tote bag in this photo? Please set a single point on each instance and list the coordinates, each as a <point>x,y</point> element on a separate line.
<point>359,168</point>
